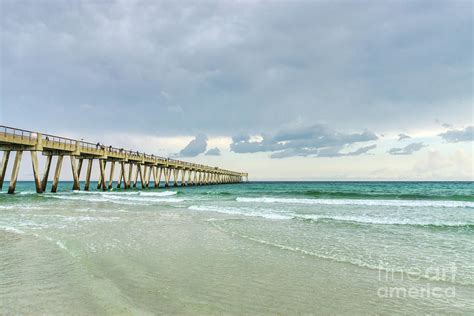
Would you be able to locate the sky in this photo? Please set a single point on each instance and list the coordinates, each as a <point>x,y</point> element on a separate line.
<point>284,90</point>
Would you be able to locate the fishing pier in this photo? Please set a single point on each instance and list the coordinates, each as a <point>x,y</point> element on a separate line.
<point>136,169</point>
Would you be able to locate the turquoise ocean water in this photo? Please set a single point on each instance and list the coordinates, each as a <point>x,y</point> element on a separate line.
<point>259,247</point>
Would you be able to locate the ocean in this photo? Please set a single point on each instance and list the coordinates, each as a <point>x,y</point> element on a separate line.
<point>252,248</point>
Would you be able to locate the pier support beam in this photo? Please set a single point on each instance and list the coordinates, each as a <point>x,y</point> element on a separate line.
<point>183,178</point>
<point>111,175</point>
<point>160,173</point>
<point>16,169</point>
<point>101,179</point>
<point>144,171</point>
<point>88,174</point>
<point>175,177</point>
<point>195,177</point>
<point>128,183</point>
<point>122,176</point>
<point>148,177</point>
<point>75,177</point>
<point>167,172</point>
<point>79,168</point>
<point>135,181</point>
<point>158,176</point>
<point>57,173</point>
<point>3,167</point>
<point>102,164</point>
<point>47,167</point>
<point>145,174</point>
<point>190,180</point>
<point>142,180</point>
<point>36,175</point>
<point>154,170</point>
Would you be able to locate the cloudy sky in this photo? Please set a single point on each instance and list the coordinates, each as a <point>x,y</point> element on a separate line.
<point>281,89</point>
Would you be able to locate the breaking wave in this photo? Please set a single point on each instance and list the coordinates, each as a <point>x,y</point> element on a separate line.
<point>403,203</point>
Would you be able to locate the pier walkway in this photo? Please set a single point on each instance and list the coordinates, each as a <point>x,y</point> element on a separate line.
<point>133,165</point>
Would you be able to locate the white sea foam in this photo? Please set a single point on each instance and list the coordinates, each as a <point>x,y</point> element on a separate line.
<point>12,230</point>
<point>152,199</point>
<point>121,199</point>
<point>106,192</point>
<point>23,207</point>
<point>89,218</point>
<point>404,203</point>
<point>272,214</point>
<point>238,211</point>
<point>164,193</point>
<point>119,193</point>
<point>383,220</point>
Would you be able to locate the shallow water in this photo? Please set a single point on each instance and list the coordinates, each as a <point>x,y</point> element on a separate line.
<point>307,247</point>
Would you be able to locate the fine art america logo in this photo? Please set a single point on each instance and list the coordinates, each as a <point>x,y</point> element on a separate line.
<point>417,289</point>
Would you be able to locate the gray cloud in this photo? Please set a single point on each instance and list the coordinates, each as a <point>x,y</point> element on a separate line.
<point>246,146</point>
<point>240,138</point>
<point>197,146</point>
<point>403,136</point>
<point>455,136</point>
<point>211,65</point>
<point>328,152</point>
<point>315,140</point>
<point>407,150</point>
<point>361,150</point>
<point>293,152</point>
<point>213,152</point>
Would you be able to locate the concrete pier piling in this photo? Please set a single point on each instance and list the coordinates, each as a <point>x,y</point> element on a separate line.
<point>16,169</point>
<point>133,164</point>
<point>3,167</point>
<point>57,173</point>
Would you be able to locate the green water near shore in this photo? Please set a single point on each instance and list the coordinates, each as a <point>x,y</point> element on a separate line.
<point>266,248</point>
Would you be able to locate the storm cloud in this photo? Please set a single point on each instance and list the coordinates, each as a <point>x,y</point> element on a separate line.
<point>197,146</point>
<point>407,150</point>
<point>456,136</point>
<point>84,66</point>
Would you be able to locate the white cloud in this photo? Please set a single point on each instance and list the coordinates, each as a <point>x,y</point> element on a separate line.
<point>437,165</point>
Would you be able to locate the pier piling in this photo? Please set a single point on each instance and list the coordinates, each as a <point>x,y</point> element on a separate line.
<point>3,166</point>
